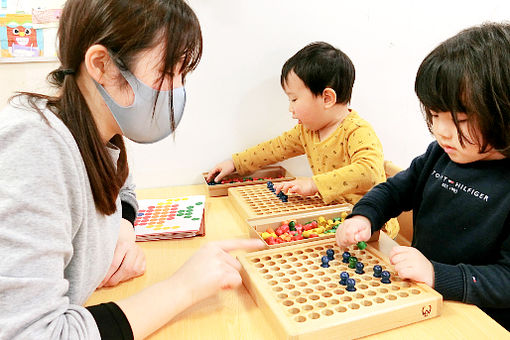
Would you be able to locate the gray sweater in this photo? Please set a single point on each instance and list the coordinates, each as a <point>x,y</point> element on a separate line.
<point>55,247</point>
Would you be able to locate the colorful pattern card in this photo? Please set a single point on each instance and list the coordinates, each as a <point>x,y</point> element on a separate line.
<point>169,218</point>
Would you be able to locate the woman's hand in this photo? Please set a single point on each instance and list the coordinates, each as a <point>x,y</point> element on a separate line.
<point>212,269</point>
<point>209,270</point>
<point>128,259</point>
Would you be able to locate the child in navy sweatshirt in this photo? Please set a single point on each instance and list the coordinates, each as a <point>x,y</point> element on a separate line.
<point>459,190</point>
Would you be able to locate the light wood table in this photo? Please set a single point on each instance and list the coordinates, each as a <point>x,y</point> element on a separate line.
<point>233,314</point>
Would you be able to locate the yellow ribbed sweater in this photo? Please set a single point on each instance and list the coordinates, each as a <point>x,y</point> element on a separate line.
<point>346,165</point>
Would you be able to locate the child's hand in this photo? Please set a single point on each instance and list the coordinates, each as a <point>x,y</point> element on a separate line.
<point>300,186</point>
<point>353,230</point>
<point>221,170</point>
<point>212,268</point>
<point>128,258</point>
<point>410,263</point>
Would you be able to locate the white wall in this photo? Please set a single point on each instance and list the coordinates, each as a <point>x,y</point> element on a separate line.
<point>235,99</point>
<point>15,6</point>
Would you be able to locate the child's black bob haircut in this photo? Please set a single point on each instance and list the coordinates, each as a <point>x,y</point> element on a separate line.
<point>470,73</point>
<point>319,65</point>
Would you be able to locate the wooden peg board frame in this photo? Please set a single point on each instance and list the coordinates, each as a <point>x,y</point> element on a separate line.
<point>270,171</point>
<point>257,201</point>
<point>302,300</point>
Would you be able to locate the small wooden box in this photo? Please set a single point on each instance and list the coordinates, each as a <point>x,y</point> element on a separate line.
<point>261,224</point>
<point>276,173</point>
<point>303,300</point>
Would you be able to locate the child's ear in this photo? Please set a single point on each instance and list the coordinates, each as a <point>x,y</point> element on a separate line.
<point>328,97</point>
<point>99,64</point>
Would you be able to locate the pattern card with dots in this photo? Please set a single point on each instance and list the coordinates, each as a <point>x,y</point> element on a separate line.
<point>257,201</point>
<point>303,299</point>
<point>163,219</point>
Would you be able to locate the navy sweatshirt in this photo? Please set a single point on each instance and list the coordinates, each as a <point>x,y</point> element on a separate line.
<point>461,218</point>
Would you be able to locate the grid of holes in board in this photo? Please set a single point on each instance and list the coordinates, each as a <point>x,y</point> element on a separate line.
<point>262,201</point>
<point>306,291</point>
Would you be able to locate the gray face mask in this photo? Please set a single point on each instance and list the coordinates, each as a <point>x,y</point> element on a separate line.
<point>136,121</point>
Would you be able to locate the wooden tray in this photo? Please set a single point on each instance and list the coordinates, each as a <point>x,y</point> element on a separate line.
<point>302,300</point>
<point>257,201</point>
<point>261,224</point>
<point>277,173</point>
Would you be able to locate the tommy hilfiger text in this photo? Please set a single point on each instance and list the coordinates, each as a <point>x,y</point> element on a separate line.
<point>455,186</point>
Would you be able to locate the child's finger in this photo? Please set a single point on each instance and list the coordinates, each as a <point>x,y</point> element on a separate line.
<point>350,240</point>
<point>405,271</point>
<point>294,189</point>
<point>398,250</point>
<point>362,234</point>
<point>353,237</point>
<point>277,188</point>
<point>397,254</point>
<point>397,258</point>
<point>220,176</point>
<point>285,187</point>
<point>212,173</point>
<point>346,237</point>
<point>290,185</point>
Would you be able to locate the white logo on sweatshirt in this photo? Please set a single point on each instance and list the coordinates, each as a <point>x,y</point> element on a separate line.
<point>456,187</point>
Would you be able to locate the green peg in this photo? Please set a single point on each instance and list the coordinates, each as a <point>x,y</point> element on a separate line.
<point>352,262</point>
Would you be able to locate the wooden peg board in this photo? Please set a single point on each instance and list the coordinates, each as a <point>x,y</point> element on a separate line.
<point>276,173</point>
<point>257,201</point>
<point>302,300</point>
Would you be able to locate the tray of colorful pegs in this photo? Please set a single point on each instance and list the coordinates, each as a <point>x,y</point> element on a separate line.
<point>270,173</point>
<point>299,228</point>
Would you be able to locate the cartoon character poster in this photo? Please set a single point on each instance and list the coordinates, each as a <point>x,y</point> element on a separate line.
<point>18,37</point>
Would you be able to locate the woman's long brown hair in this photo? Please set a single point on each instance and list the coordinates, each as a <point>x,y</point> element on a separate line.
<point>125,28</point>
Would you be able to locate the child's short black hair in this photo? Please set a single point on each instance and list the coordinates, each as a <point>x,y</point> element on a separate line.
<point>320,65</point>
<point>470,73</point>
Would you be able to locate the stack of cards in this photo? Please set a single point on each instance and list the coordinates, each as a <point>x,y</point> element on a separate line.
<point>170,218</point>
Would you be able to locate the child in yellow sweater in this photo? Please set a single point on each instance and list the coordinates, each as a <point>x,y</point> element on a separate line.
<point>343,150</point>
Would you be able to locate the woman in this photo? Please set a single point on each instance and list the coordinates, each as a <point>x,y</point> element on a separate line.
<point>65,192</point>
